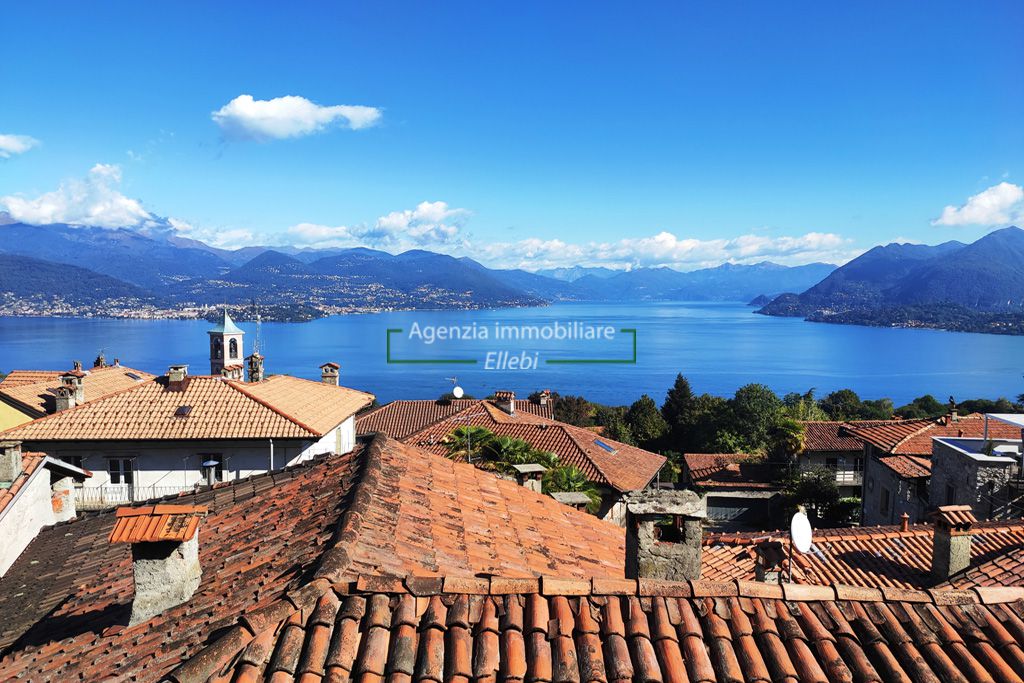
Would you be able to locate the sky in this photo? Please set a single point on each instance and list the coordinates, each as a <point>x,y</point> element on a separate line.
<point>523,134</point>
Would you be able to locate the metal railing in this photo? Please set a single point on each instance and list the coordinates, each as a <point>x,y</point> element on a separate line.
<point>104,497</point>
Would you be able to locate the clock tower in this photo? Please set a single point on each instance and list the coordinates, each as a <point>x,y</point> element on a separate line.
<point>225,345</point>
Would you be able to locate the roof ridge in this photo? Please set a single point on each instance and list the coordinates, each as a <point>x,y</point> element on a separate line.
<point>235,385</point>
<point>439,420</point>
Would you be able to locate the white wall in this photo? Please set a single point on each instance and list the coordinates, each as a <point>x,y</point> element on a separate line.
<point>23,518</point>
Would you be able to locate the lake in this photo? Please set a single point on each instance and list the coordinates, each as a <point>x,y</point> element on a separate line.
<point>718,346</point>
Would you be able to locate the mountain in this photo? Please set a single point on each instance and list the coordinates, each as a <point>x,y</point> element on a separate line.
<point>978,287</point>
<point>25,278</point>
<point>576,272</point>
<point>124,254</point>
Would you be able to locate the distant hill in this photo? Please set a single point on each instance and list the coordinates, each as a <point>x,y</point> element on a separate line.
<point>945,286</point>
<point>24,277</point>
<point>576,272</point>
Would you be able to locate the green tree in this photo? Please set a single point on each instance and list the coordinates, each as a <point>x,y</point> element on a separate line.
<point>843,404</point>
<point>678,406</point>
<point>448,397</point>
<point>922,407</point>
<point>618,430</point>
<point>755,411</point>
<point>785,440</point>
<point>574,410</point>
<point>803,406</point>
<point>502,452</point>
<point>467,442</point>
<point>645,421</point>
<point>815,488</point>
<point>877,409</point>
<point>568,478</point>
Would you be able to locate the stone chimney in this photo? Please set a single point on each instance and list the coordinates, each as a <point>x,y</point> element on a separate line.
<point>176,377</point>
<point>544,397</point>
<point>506,400</point>
<point>101,360</point>
<point>73,381</point>
<point>573,499</point>
<point>165,555</point>
<point>10,460</point>
<point>769,558</point>
<point>329,373</point>
<point>951,545</point>
<point>256,373</point>
<point>233,372</point>
<point>530,475</point>
<point>657,551</point>
<point>65,398</point>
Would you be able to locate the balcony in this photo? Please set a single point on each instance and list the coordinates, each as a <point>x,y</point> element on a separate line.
<point>106,497</point>
<point>849,477</point>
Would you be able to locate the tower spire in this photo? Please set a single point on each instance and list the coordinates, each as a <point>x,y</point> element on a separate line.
<point>226,344</point>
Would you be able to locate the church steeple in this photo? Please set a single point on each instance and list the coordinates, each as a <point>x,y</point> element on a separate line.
<point>225,345</point>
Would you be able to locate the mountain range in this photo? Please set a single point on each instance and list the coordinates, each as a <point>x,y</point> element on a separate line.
<point>977,286</point>
<point>164,269</point>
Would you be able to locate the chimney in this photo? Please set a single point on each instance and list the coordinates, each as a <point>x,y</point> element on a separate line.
<point>77,365</point>
<point>233,372</point>
<point>951,545</point>
<point>506,400</point>
<point>329,373</point>
<point>768,562</point>
<point>10,460</point>
<point>65,398</point>
<point>165,555</point>
<point>530,475</point>
<point>101,361</point>
<point>176,376</point>
<point>904,522</point>
<point>573,499</point>
<point>544,397</point>
<point>655,551</point>
<point>256,368</point>
<point>73,381</point>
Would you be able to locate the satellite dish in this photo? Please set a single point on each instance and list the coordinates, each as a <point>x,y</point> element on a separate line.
<point>800,532</point>
<point>457,392</point>
<point>211,463</point>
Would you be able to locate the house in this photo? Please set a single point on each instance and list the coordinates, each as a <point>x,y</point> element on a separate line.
<point>26,395</point>
<point>740,492</point>
<point>392,564</point>
<point>831,444</point>
<point>401,419</point>
<point>898,463</point>
<point>614,468</point>
<point>35,491</point>
<point>154,436</point>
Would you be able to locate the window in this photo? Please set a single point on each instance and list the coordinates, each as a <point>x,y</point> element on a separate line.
<point>217,465</point>
<point>884,501</point>
<point>182,411</point>
<point>218,348</point>
<point>605,446</point>
<point>950,494</point>
<point>121,471</point>
<point>233,349</point>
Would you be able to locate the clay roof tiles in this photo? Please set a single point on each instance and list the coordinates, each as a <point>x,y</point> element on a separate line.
<point>279,407</point>
<point>154,523</point>
<point>401,419</point>
<point>29,463</point>
<point>729,471</point>
<point>39,395</point>
<point>914,437</point>
<point>836,436</point>
<point>16,378</point>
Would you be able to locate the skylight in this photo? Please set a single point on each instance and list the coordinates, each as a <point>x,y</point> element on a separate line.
<point>132,375</point>
<point>608,447</point>
<point>182,411</point>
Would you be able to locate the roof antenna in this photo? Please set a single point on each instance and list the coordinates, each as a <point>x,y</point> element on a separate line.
<point>256,342</point>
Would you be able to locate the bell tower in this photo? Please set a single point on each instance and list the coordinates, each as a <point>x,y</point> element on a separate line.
<point>225,345</point>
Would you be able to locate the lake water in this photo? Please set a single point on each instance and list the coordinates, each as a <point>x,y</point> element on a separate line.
<point>719,347</point>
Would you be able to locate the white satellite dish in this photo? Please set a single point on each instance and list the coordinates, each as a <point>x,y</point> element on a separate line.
<point>800,531</point>
<point>457,392</point>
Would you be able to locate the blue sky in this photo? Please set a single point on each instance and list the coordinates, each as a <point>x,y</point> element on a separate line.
<point>537,134</point>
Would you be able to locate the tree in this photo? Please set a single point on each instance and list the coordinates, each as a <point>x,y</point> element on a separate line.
<point>755,411</point>
<point>803,406</point>
<point>844,404</point>
<point>467,442</point>
<point>877,409</point>
<point>568,478</point>
<point>678,405</point>
<point>785,440</point>
<point>922,407</point>
<point>645,421</point>
<point>618,430</point>
<point>815,488</point>
<point>502,452</point>
<point>574,410</point>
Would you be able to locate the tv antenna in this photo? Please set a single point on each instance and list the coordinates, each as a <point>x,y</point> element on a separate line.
<point>457,391</point>
<point>800,535</point>
<point>259,321</point>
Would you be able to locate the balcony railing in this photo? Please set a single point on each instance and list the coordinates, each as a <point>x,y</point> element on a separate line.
<point>849,477</point>
<point>104,497</point>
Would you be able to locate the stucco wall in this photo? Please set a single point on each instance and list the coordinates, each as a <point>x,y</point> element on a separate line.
<point>22,520</point>
<point>11,416</point>
<point>903,496</point>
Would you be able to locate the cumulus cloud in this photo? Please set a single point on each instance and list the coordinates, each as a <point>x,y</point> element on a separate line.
<point>432,225</point>
<point>94,200</point>
<point>1000,203</point>
<point>15,144</point>
<point>288,117</point>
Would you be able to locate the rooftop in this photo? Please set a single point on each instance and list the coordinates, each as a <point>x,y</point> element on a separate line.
<point>402,419</point>
<point>225,326</point>
<point>602,460</point>
<point>822,436</point>
<point>279,407</point>
<point>724,471</point>
<point>36,390</point>
<point>914,437</point>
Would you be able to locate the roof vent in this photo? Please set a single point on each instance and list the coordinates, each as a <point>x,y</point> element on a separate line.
<point>165,555</point>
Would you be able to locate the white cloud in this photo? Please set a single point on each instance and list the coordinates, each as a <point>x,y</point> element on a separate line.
<point>94,200</point>
<point>15,144</point>
<point>998,204</point>
<point>432,225</point>
<point>288,117</point>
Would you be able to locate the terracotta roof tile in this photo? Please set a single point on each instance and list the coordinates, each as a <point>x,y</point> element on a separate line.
<point>16,378</point>
<point>157,523</point>
<point>728,471</point>
<point>30,462</point>
<point>279,407</point>
<point>835,436</point>
<point>401,419</point>
<point>39,396</point>
<point>914,437</point>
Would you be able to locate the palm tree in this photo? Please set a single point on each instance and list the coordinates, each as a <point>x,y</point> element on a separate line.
<point>467,442</point>
<point>569,478</point>
<point>786,440</point>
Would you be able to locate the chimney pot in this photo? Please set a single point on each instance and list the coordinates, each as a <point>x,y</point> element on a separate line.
<point>770,556</point>
<point>73,381</point>
<point>951,541</point>
<point>530,475</point>
<point>653,553</point>
<point>77,365</point>
<point>545,397</point>
<point>10,460</point>
<point>165,555</point>
<point>176,376</point>
<point>329,373</point>
<point>256,373</point>
<point>506,400</point>
<point>904,522</point>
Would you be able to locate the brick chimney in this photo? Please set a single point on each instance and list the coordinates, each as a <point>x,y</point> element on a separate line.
<point>530,475</point>
<point>10,460</point>
<point>329,373</point>
<point>165,555</point>
<point>506,400</point>
<point>655,551</point>
<point>176,377</point>
<point>951,545</point>
<point>256,373</point>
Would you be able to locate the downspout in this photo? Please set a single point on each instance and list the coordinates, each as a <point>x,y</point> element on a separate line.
<point>271,455</point>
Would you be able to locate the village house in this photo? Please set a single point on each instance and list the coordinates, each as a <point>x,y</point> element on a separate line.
<point>831,444</point>
<point>614,468</point>
<point>166,434</point>
<point>898,464</point>
<point>740,493</point>
<point>390,563</point>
